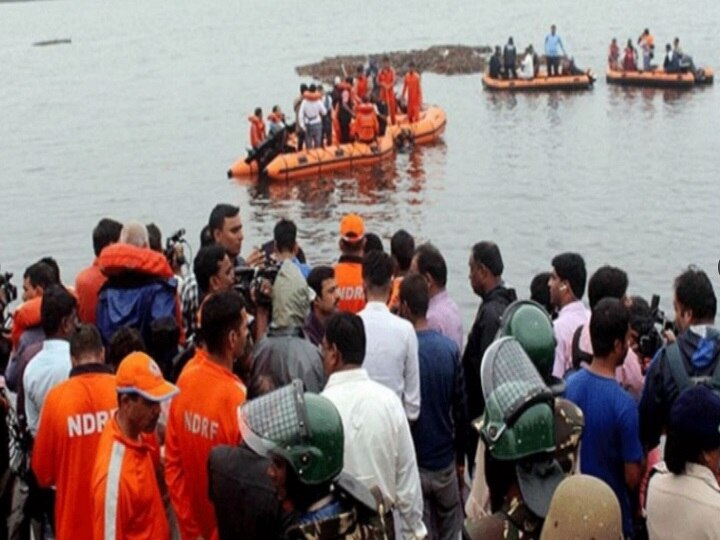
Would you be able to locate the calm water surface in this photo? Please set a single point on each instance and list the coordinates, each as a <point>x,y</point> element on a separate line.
<point>143,113</point>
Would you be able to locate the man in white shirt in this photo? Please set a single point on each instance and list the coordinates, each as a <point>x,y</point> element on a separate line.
<point>392,348</point>
<point>378,447</point>
<point>310,117</point>
<point>50,366</point>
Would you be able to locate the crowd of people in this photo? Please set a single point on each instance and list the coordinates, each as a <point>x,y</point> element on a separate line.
<point>357,107</point>
<point>267,397</point>
<point>506,63</point>
<point>675,60</point>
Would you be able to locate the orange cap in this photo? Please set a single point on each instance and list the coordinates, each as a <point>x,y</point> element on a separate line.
<point>352,228</point>
<point>139,374</point>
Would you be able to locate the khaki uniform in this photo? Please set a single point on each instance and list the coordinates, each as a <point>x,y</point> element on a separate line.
<point>514,521</point>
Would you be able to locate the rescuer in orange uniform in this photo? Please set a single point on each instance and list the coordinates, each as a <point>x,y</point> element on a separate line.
<point>205,413</point>
<point>386,81</point>
<point>72,419</point>
<point>361,84</point>
<point>365,127</point>
<point>413,92</point>
<point>257,128</point>
<point>348,270</point>
<point>126,497</point>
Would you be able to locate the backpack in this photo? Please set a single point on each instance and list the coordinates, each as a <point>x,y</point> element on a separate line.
<point>680,375</point>
<point>578,356</point>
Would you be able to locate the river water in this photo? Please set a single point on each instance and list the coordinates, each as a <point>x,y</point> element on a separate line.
<point>140,117</point>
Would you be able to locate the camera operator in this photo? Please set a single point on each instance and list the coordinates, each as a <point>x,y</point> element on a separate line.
<point>283,353</point>
<point>695,352</point>
<point>226,229</point>
<point>645,339</point>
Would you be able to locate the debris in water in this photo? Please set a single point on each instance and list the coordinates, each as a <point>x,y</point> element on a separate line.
<point>52,42</point>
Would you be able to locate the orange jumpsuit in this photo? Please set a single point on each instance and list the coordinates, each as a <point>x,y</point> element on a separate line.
<point>257,131</point>
<point>126,498</point>
<point>411,89</point>
<point>348,274</point>
<point>386,80</point>
<point>361,86</point>
<point>203,415</point>
<point>72,420</point>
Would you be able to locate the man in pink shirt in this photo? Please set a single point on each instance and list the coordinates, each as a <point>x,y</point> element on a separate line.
<point>567,285</point>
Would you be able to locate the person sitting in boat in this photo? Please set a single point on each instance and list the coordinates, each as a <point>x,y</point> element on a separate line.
<point>276,121</point>
<point>510,59</point>
<point>630,58</point>
<point>570,68</point>
<point>685,61</point>
<point>495,67</point>
<point>527,66</point>
<point>365,127</point>
<point>614,55</point>
<point>257,129</point>
<point>671,64</point>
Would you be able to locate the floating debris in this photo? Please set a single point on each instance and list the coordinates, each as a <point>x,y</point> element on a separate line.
<point>52,42</point>
<point>442,59</point>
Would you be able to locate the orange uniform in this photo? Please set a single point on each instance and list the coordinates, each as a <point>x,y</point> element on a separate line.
<point>361,86</point>
<point>365,126</point>
<point>72,419</point>
<point>411,89</point>
<point>126,497</point>
<point>26,316</point>
<point>257,131</point>
<point>386,81</point>
<point>87,287</point>
<point>203,415</point>
<point>348,275</point>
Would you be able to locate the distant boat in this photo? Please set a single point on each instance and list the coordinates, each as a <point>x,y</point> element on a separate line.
<point>52,42</point>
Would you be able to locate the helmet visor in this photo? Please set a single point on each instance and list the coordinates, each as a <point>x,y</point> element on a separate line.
<point>275,420</point>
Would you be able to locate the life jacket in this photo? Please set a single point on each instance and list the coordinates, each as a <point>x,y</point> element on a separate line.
<point>366,122</point>
<point>348,275</point>
<point>140,292</point>
<point>257,131</point>
<point>275,118</point>
<point>361,87</point>
<point>26,316</point>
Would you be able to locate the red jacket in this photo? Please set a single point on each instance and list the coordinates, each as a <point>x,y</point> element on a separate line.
<point>87,287</point>
<point>257,131</point>
<point>72,420</point>
<point>203,415</point>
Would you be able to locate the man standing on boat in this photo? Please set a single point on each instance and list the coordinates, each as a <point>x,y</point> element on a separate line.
<point>553,44</point>
<point>386,81</point>
<point>413,92</point>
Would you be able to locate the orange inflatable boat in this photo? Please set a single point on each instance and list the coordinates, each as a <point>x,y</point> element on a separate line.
<point>427,130</point>
<point>540,83</point>
<point>656,78</point>
<point>314,162</point>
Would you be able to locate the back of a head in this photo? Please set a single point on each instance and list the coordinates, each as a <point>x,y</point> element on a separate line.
<point>373,243</point>
<point>206,237</point>
<point>539,291</point>
<point>86,344</point>
<point>571,268</point>
<point>316,277</point>
<point>219,214</point>
<point>402,247</point>
<point>692,427</point>
<point>583,507</point>
<point>154,237</point>
<point>124,341</point>
<point>694,291</point>
<point>54,266</point>
<point>220,314</point>
<point>135,234</point>
<point>607,282</point>
<point>206,264</point>
<point>57,304</point>
<point>377,270</point>
<point>106,232</point>
<point>285,235</point>
<point>40,274</point>
<point>430,261</point>
<point>488,254</point>
<point>414,294</point>
<point>347,332</point>
<point>609,322</point>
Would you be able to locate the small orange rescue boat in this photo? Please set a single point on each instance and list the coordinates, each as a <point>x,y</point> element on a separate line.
<point>427,130</point>
<point>540,83</point>
<point>655,78</point>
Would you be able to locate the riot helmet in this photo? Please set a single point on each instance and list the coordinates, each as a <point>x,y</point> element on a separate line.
<point>304,429</point>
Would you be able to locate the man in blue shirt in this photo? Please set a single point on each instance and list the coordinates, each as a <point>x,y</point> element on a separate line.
<point>440,431</point>
<point>553,46</point>
<point>610,448</point>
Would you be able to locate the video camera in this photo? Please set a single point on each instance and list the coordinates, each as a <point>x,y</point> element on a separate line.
<point>8,293</point>
<point>174,252</point>
<point>248,278</point>
<point>649,337</point>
